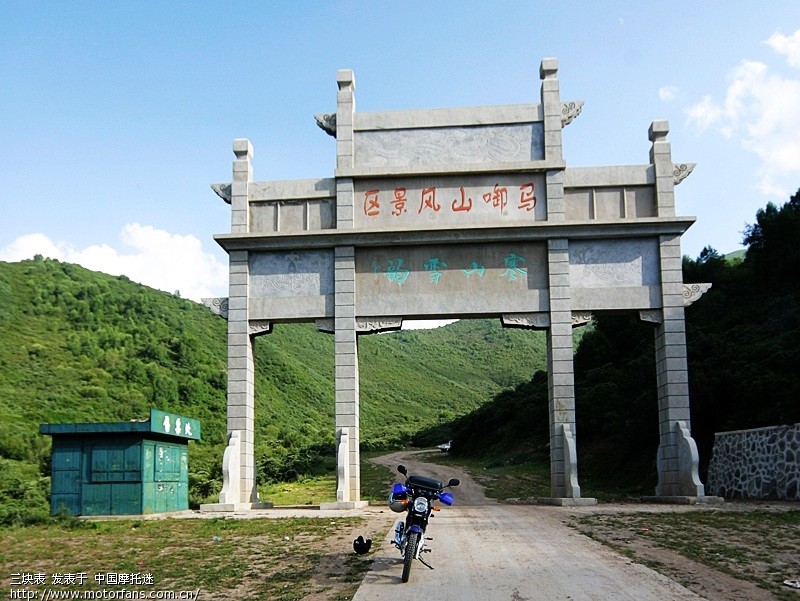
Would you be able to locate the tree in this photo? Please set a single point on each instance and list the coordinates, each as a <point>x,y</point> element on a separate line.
<point>773,252</point>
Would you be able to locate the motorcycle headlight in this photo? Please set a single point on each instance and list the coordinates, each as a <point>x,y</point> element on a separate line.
<point>420,504</point>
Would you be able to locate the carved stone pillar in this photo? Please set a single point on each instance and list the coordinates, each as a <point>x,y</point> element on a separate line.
<point>346,369</point>
<point>241,370</point>
<point>561,388</point>
<point>677,474</point>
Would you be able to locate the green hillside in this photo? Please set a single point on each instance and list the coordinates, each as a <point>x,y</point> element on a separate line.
<point>76,345</point>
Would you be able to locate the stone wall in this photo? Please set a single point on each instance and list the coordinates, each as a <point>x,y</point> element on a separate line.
<point>756,464</point>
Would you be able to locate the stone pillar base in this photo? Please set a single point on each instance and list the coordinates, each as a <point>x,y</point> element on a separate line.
<point>566,501</point>
<point>232,507</point>
<point>684,500</point>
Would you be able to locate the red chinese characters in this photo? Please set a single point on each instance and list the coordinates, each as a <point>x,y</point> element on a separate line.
<point>399,202</point>
<point>527,200</point>
<point>429,200</point>
<point>372,206</point>
<point>498,197</point>
<point>396,205</point>
<point>464,204</point>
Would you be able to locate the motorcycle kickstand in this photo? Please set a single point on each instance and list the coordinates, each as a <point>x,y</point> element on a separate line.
<point>425,563</point>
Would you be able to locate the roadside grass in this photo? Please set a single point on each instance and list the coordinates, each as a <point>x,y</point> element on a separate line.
<point>280,559</point>
<point>502,480</point>
<point>527,476</point>
<point>376,480</point>
<point>311,490</point>
<point>761,546</point>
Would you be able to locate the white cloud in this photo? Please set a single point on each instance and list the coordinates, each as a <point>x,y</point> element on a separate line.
<point>159,259</point>
<point>25,247</point>
<point>705,113</point>
<point>787,45</point>
<point>669,93</point>
<point>761,111</point>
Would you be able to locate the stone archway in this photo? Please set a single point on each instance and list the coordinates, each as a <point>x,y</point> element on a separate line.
<point>445,213</point>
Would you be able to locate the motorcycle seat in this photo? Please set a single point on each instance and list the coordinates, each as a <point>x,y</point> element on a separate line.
<point>424,482</point>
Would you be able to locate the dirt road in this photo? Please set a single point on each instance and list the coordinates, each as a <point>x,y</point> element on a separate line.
<point>483,550</point>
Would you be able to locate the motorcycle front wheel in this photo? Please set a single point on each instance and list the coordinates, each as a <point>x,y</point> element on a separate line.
<point>411,548</point>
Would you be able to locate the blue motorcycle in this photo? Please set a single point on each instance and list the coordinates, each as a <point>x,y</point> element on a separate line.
<point>416,497</point>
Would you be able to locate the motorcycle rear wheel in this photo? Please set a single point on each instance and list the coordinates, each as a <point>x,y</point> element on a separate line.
<point>411,549</point>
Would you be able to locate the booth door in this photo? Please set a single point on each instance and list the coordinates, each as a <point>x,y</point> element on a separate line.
<point>66,483</point>
<point>170,477</point>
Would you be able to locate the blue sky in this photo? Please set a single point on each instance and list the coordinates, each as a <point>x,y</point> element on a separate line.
<point>116,116</point>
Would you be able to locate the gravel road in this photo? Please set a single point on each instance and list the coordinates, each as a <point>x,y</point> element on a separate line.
<point>483,550</point>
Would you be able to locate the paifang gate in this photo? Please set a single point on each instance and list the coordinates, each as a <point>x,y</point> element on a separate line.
<point>448,213</point>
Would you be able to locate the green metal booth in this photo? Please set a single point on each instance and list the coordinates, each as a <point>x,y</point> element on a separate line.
<point>121,468</point>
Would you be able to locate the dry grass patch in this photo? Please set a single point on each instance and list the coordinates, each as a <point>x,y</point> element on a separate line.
<point>285,559</point>
<point>727,553</point>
